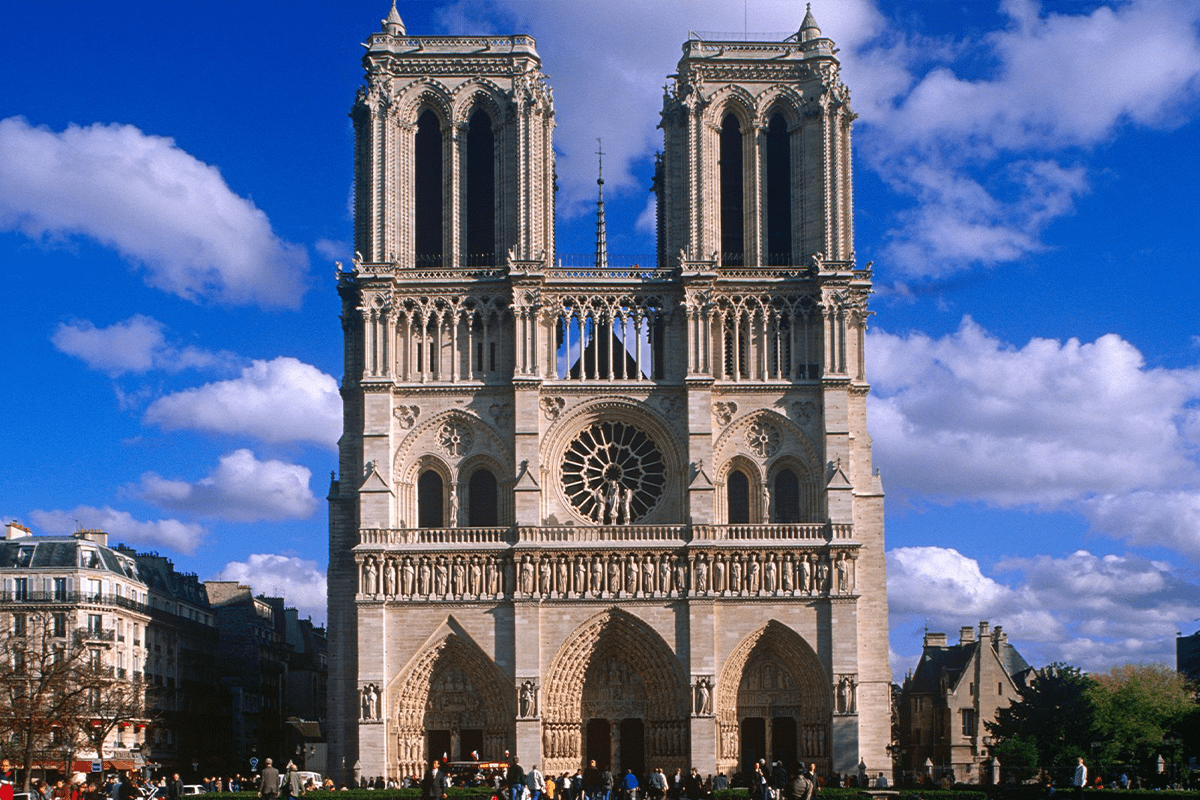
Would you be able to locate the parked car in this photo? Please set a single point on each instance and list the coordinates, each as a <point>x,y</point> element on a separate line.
<point>193,788</point>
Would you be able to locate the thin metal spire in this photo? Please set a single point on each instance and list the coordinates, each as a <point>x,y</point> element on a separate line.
<point>601,232</point>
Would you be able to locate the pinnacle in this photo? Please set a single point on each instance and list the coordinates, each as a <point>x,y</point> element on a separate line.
<point>808,28</point>
<point>394,24</point>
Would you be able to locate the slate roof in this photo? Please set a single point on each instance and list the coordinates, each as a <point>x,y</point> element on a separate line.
<point>56,553</point>
<point>953,660</point>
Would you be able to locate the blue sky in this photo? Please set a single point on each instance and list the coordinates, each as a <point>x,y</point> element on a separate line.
<point>175,184</point>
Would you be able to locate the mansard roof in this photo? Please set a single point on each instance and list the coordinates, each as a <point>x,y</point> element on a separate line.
<point>61,553</point>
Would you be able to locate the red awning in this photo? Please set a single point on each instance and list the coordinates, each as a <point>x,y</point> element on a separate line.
<point>118,764</point>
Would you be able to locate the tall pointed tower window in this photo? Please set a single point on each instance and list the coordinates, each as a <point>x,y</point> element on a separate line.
<point>779,193</point>
<point>427,193</point>
<point>733,238</point>
<point>481,190</point>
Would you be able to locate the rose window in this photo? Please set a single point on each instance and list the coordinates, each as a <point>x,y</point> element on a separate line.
<point>613,473</point>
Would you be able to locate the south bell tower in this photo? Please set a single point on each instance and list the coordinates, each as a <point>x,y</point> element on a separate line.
<point>605,510</point>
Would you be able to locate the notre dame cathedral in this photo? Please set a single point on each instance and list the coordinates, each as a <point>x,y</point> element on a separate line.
<point>616,512</point>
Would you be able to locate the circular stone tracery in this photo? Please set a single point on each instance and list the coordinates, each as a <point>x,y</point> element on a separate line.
<point>613,473</point>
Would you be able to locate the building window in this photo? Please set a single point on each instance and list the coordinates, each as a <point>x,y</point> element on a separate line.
<point>95,624</point>
<point>430,504</point>
<point>482,499</point>
<point>427,180</point>
<point>59,622</point>
<point>24,556</point>
<point>19,624</point>
<point>779,192</point>
<point>20,589</point>
<point>786,497</point>
<point>738,496</point>
<point>60,589</point>
<point>733,238</point>
<point>95,590</point>
<point>481,190</point>
<point>969,718</point>
<point>1000,688</point>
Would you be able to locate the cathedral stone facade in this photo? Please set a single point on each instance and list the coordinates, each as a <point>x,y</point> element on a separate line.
<point>615,512</point>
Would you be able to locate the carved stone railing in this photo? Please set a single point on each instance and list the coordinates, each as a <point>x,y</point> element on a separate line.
<point>604,533</point>
<point>403,536</point>
<point>813,532</point>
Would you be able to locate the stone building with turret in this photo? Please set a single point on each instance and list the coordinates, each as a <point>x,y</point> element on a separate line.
<point>611,511</point>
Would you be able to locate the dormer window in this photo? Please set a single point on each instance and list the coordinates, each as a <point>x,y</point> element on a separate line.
<point>89,559</point>
<point>24,556</point>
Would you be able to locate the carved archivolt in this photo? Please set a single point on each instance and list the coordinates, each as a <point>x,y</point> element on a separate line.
<point>452,434</point>
<point>774,668</point>
<point>615,664</point>
<point>452,684</point>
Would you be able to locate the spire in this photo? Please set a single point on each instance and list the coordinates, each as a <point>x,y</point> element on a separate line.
<point>601,233</point>
<point>808,28</point>
<point>393,25</point>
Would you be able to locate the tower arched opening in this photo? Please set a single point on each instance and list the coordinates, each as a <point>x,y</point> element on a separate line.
<point>481,190</point>
<point>427,190</point>
<point>779,192</point>
<point>431,501</point>
<point>733,225</point>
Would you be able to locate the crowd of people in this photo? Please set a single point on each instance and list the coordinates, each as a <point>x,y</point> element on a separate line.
<point>766,782</point>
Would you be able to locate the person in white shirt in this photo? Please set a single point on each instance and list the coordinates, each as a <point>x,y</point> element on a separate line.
<point>1080,779</point>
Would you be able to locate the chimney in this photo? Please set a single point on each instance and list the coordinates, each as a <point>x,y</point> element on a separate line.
<point>966,634</point>
<point>983,629</point>
<point>999,637</point>
<point>93,535</point>
<point>15,530</point>
<point>935,639</point>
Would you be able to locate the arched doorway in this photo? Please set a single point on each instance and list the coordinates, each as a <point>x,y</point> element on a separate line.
<point>773,702</point>
<point>615,693</point>
<point>450,700</point>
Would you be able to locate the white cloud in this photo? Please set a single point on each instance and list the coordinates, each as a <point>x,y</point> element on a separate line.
<point>985,155</point>
<point>300,582</point>
<point>152,202</point>
<point>1085,426</point>
<point>137,344</point>
<point>281,400</point>
<point>1089,610</point>
<point>241,488</point>
<point>122,527</point>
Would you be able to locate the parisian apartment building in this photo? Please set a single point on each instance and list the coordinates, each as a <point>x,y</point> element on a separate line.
<point>228,676</point>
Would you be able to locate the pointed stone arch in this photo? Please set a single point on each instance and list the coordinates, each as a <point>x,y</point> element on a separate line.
<point>449,684</point>
<point>799,688</point>
<point>654,688</point>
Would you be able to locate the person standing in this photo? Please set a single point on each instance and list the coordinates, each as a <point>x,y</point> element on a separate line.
<point>174,787</point>
<point>516,779</point>
<point>591,781</point>
<point>268,781</point>
<point>630,785</point>
<point>1080,779</point>
<point>294,782</point>
<point>535,782</point>
<point>657,783</point>
<point>433,785</point>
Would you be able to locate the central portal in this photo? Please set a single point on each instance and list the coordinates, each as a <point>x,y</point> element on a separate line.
<point>599,743</point>
<point>614,703</point>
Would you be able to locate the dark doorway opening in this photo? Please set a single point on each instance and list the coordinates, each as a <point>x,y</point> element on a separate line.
<point>482,499</point>
<point>754,742</point>
<point>783,740</point>
<point>633,747</point>
<point>439,745</point>
<point>469,740</point>
<point>787,497</point>
<point>599,743</point>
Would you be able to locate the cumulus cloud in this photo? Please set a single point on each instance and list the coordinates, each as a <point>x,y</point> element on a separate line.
<point>1089,610</point>
<point>157,205</point>
<point>300,582</point>
<point>137,344</point>
<point>1083,426</point>
<point>241,488</point>
<point>282,400</point>
<point>989,155</point>
<point>121,526</point>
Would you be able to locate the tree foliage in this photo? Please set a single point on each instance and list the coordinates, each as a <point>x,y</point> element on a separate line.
<point>1138,706</point>
<point>1054,715</point>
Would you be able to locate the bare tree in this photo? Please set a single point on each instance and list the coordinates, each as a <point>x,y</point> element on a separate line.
<point>112,701</point>
<point>43,690</point>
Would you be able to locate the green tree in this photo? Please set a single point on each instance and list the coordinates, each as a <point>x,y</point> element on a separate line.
<point>1138,707</point>
<point>1054,715</point>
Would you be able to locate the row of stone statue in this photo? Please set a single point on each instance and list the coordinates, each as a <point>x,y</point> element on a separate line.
<point>494,577</point>
<point>812,741</point>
